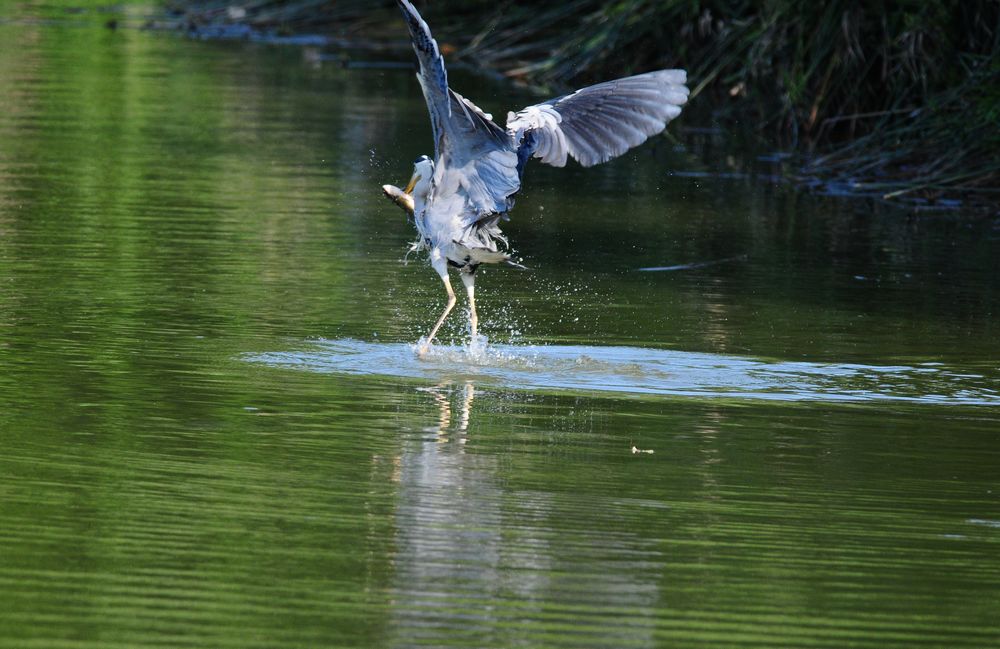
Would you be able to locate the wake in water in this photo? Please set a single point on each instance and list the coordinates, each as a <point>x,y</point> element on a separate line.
<point>642,371</point>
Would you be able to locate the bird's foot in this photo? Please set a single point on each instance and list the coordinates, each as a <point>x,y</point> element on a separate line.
<point>423,348</point>
<point>477,344</point>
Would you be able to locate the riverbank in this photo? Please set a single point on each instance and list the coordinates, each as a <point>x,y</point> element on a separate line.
<point>900,104</point>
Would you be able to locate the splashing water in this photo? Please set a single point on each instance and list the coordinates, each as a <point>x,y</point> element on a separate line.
<point>641,371</point>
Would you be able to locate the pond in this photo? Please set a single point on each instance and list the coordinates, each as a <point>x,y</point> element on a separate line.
<point>715,411</point>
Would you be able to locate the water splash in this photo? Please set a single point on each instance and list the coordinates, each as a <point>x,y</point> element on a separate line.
<point>634,370</point>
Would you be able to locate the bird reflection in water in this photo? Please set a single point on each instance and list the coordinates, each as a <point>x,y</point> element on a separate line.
<point>444,394</point>
<point>477,542</point>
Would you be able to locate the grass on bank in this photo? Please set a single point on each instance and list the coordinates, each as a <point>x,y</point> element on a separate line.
<point>901,98</point>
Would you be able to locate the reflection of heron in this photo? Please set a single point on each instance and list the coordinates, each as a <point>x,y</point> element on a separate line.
<point>458,198</point>
<point>484,548</point>
<point>442,395</point>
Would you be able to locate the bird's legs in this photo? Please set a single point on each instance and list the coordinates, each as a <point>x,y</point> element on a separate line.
<point>442,270</point>
<point>469,280</point>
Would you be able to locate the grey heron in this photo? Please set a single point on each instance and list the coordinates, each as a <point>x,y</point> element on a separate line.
<point>458,198</point>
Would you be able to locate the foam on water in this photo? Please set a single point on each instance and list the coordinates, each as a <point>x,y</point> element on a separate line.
<point>642,371</point>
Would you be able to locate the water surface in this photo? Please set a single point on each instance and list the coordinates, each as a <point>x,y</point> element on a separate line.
<point>215,432</point>
<point>642,371</point>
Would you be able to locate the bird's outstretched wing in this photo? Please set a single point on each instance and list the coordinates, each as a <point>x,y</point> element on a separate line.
<point>600,122</point>
<point>432,76</point>
<point>475,167</point>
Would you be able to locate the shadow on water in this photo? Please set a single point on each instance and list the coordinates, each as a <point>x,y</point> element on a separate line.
<point>634,370</point>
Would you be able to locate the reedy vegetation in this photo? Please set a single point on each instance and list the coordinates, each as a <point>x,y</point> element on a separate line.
<point>901,98</point>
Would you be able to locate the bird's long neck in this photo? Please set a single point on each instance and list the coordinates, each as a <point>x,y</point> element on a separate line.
<point>419,203</point>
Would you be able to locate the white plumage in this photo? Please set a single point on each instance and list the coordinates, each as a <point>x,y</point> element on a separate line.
<point>459,197</point>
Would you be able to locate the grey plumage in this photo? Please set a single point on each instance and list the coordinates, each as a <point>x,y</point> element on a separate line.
<point>600,122</point>
<point>461,195</point>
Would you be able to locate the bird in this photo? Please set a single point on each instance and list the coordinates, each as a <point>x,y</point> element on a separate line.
<point>458,197</point>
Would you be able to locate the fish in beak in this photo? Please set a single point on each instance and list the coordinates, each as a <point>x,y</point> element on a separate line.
<point>401,198</point>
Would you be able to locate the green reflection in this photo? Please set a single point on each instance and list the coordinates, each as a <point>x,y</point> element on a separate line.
<point>168,207</point>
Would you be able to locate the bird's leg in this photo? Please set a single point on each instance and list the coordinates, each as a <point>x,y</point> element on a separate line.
<point>469,279</point>
<point>442,270</point>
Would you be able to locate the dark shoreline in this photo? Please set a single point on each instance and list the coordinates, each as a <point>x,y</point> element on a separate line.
<point>941,155</point>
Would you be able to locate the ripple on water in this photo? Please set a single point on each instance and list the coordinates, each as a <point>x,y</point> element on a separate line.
<point>642,371</point>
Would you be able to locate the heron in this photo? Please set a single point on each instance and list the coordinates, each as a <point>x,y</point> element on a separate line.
<point>458,197</point>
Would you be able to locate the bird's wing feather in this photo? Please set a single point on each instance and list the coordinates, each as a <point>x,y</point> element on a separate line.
<point>600,122</point>
<point>476,162</point>
<point>432,75</point>
<point>473,154</point>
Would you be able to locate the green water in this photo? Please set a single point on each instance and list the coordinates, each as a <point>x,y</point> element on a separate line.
<point>213,432</point>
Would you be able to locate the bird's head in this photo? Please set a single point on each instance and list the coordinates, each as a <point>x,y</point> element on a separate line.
<point>420,183</point>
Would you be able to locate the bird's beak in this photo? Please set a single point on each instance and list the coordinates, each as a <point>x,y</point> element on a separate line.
<point>412,184</point>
